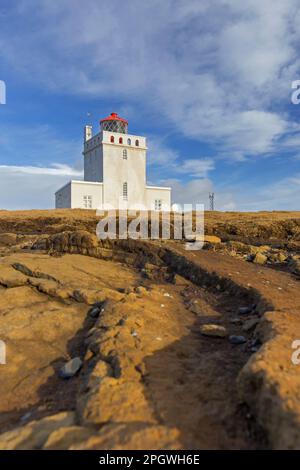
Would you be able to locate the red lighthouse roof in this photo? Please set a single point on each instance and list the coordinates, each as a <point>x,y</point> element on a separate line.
<point>114,117</point>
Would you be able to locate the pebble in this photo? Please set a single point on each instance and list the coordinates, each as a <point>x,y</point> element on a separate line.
<point>249,324</point>
<point>71,368</point>
<point>26,416</point>
<point>141,290</point>
<point>94,312</point>
<point>233,339</point>
<point>245,310</point>
<point>210,329</point>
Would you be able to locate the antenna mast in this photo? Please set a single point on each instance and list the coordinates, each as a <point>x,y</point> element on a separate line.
<point>211,201</point>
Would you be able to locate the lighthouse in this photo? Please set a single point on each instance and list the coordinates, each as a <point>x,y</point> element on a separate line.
<point>114,172</point>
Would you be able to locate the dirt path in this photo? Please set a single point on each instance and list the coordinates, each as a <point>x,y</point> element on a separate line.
<point>164,383</point>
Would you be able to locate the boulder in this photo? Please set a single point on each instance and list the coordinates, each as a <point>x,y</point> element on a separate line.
<point>260,258</point>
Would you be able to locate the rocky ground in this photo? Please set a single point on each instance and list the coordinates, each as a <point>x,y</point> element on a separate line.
<point>131,344</point>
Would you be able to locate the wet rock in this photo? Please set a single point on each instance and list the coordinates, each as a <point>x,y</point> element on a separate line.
<point>237,339</point>
<point>70,368</point>
<point>210,329</point>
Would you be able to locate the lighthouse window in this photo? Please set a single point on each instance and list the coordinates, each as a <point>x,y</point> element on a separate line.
<point>129,141</point>
<point>121,140</point>
<point>137,143</point>
<point>158,204</point>
<point>112,139</point>
<point>125,154</point>
<point>125,191</point>
<point>87,202</point>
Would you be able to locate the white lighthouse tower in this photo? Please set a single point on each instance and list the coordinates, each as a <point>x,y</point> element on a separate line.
<point>114,172</point>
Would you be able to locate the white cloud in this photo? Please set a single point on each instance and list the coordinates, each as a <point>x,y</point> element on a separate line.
<point>30,187</point>
<point>160,155</point>
<point>217,70</point>
<point>196,191</point>
<point>198,168</point>
<point>56,170</point>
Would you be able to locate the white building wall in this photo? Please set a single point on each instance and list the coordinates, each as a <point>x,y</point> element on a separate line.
<point>63,197</point>
<point>106,170</point>
<point>93,159</point>
<point>157,193</point>
<point>118,170</point>
<point>79,195</point>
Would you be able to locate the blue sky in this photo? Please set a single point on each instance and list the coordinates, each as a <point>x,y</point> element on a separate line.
<point>208,82</point>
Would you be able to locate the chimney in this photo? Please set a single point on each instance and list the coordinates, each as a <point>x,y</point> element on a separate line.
<point>88,133</point>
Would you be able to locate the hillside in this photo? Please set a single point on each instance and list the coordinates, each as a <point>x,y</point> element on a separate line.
<point>132,344</point>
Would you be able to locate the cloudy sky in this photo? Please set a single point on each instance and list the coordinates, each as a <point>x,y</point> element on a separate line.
<point>209,82</point>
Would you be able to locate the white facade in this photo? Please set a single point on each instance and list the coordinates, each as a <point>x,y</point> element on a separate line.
<point>114,173</point>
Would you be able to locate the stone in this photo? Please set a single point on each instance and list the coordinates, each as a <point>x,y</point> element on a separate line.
<point>246,310</point>
<point>70,368</point>
<point>211,239</point>
<point>94,312</point>
<point>235,321</point>
<point>236,339</point>
<point>140,290</point>
<point>294,265</point>
<point>195,308</point>
<point>254,250</point>
<point>278,257</point>
<point>250,324</point>
<point>210,329</point>
<point>260,258</point>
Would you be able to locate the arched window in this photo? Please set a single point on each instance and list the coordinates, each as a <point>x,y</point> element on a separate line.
<point>137,143</point>
<point>125,191</point>
<point>129,141</point>
<point>112,139</point>
<point>125,154</point>
<point>120,140</point>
